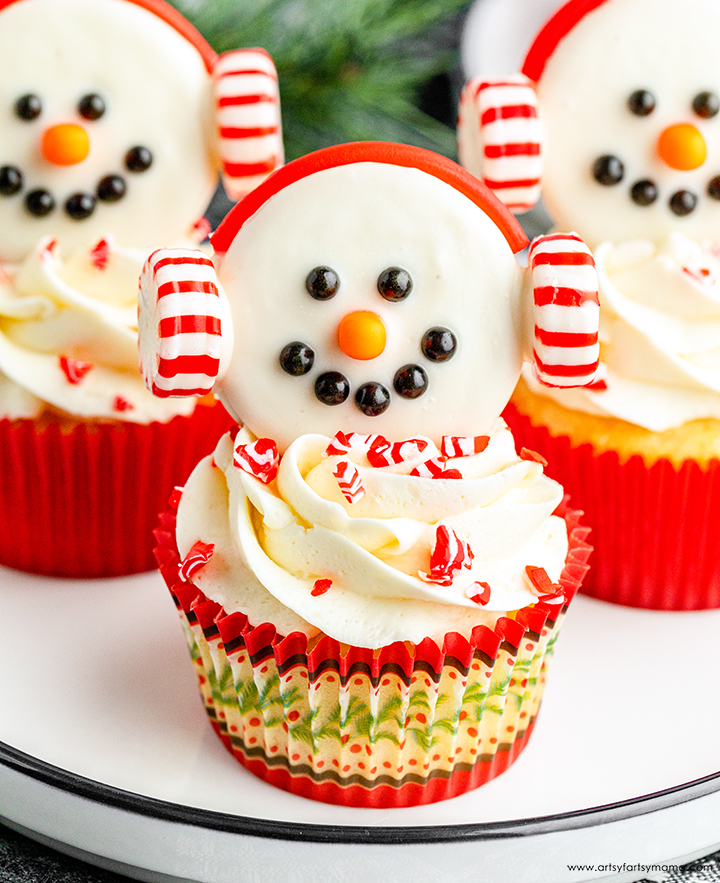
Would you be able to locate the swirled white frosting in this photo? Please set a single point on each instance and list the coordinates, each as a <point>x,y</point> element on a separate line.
<point>68,337</point>
<point>272,542</point>
<point>659,333</point>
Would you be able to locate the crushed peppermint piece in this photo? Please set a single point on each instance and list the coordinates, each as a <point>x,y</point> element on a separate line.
<point>198,556</point>
<point>349,481</point>
<point>449,553</point>
<point>175,497</point>
<point>343,441</point>
<point>555,599</point>
<point>259,458</point>
<point>384,453</point>
<point>435,467</point>
<point>47,249</point>
<point>74,369</point>
<point>122,404</point>
<point>100,254</point>
<point>320,586</point>
<point>464,446</point>
<point>540,580</point>
<point>483,596</point>
<point>527,454</point>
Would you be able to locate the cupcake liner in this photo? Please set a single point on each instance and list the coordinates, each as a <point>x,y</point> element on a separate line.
<point>655,530</point>
<point>83,501</point>
<point>400,726</point>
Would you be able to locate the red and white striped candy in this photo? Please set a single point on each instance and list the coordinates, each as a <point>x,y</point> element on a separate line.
<point>196,558</point>
<point>248,111</point>
<point>259,458</point>
<point>344,441</point>
<point>449,553</point>
<point>383,453</point>
<point>464,446</point>
<point>479,592</point>
<point>436,467</point>
<point>566,351</point>
<point>179,323</point>
<point>500,138</point>
<point>349,481</point>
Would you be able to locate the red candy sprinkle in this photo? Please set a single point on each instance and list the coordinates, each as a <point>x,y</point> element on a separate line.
<point>482,597</point>
<point>74,369</point>
<point>349,481</point>
<point>121,404</point>
<point>196,558</point>
<point>449,553</point>
<point>540,580</point>
<point>100,254</point>
<point>527,454</point>
<point>435,468</point>
<point>464,446</point>
<point>259,458</point>
<point>320,586</point>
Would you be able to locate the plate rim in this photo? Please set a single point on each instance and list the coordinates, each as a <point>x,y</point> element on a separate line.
<point>275,829</point>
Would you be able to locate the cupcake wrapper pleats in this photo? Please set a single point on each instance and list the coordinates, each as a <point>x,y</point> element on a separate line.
<point>655,530</point>
<point>83,501</point>
<point>404,725</point>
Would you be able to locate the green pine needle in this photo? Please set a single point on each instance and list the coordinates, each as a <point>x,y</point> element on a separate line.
<point>349,70</point>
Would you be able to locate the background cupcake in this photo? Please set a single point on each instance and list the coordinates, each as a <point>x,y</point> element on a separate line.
<point>119,118</point>
<point>628,93</point>
<point>370,578</point>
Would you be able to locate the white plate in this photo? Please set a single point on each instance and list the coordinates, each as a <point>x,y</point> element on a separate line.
<point>106,753</point>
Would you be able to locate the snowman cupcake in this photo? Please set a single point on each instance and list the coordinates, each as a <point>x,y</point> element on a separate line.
<point>370,578</point>
<point>615,120</point>
<point>118,119</point>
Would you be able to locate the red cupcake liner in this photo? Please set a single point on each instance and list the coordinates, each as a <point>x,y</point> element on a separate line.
<point>83,502</point>
<point>400,726</point>
<point>656,531</point>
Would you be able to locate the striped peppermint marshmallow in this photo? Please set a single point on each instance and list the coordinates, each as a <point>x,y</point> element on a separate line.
<point>500,138</point>
<point>179,323</point>
<point>566,310</point>
<point>449,553</point>
<point>349,481</point>
<point>259,458</point>
<point>248,111</point>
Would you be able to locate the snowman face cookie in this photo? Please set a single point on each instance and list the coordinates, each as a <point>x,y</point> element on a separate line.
<point>105,109</point>
<point>629,97</point>
<point>370,298</point>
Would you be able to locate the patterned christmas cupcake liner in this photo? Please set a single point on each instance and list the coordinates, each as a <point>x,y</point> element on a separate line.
<point>656,530</point>
<point>82,501</point>
<point>400,726</point>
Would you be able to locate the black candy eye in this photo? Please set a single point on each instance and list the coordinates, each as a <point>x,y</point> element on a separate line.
<point>608,170</point>
<point>372,399</point>
<point>80,206</point>
<point>644,192</point>
<point>410,381</point>
<point>641,103</point>
<point>332,388</point>
<point>322,283</point>
<point>11,180</point>
<point>394,284</point>
<point>438,344</point>
<point>39,203</point>
<point>713,189</point>
<point>28,107</point>
<point>706,104</point>
<point>138,159</point>
<point>91,106</point>
<point>683,202</point>
<point>297,358</point>
<point>111,188</point>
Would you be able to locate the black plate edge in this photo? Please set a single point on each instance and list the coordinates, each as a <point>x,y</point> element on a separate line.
<point>162,810</point>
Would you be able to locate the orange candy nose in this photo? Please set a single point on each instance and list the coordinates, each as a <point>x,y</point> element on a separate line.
<point>682,147</point>
<point>65,144</point>
<point>361,335</point>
